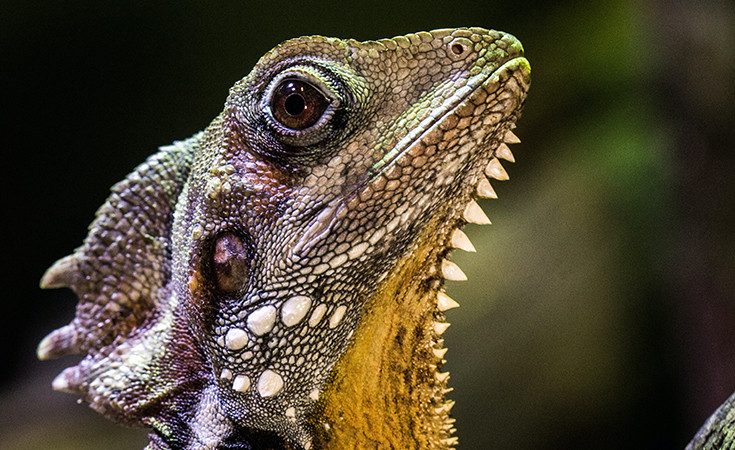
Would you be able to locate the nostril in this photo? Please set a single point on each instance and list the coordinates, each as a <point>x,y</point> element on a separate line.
<point>459,48</point>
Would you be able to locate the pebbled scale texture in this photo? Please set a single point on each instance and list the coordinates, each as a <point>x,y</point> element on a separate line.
<point>275,281</point>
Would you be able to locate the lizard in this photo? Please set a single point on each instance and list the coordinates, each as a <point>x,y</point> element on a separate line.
<point>718,431</point>
<point>277,280</point>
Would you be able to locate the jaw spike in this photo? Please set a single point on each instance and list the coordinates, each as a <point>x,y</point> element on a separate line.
<point>503,151</point>
<point>450,442</point>
<point>449,405</point>
<point>445,302</point>
<point>495,170</point>
<point>511,138</point>
<point>440,327</point>
<point>444,407</point>
<point>485,189</point>
<point>439,352</point>
<point>452,272</point>
<point>474,214</point>
<point>442,376</point>
<point>461,241</point>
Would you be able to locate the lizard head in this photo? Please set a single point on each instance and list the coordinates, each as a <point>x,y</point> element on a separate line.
<point>225,283</point>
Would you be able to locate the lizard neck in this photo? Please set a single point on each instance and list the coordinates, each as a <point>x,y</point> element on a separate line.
<point>387,390</point>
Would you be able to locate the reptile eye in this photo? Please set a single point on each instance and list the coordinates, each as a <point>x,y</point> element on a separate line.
<point>297,104</point>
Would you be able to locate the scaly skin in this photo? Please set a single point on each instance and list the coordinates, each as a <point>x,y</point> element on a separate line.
<point>275,281</point>
<point>718,432</point>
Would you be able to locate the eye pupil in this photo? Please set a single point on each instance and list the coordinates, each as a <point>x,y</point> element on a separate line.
<point>297,104</point>
<point>294,104</point>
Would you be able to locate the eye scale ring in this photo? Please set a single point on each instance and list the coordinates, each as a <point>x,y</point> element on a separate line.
<point>300,104</point>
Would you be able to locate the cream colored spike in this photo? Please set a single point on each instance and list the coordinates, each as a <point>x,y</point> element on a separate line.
<point>461,241</point>
<point>440,327</point>
<point>503,151</point>
<point>439,352</point>
<point>452,272</point>
<point>474,214</point>
<point>495,170</point>
<point>485,189</point>
<point>445,302</point>
<point>450,442</point>
<point>511,138</point>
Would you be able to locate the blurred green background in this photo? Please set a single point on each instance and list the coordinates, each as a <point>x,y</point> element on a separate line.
<point>601,303</point>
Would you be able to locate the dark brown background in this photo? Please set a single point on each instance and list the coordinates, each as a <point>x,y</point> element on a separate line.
<point>601,304</point>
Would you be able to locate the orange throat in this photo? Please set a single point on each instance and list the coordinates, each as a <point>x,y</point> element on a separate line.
<point>387,390</point>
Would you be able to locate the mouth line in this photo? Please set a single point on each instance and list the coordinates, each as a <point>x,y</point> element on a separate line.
<point>326,217</point>
<point>434,119</point>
